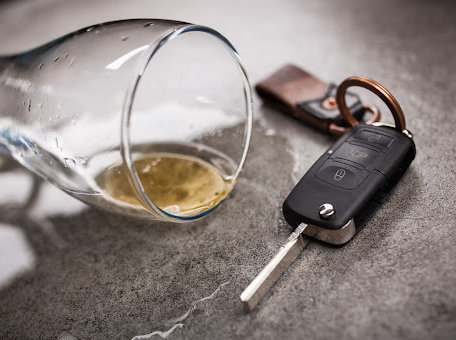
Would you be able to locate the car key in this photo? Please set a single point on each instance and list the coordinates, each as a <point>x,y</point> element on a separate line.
<point>345,186</point>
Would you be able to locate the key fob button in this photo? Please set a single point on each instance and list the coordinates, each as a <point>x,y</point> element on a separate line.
<point>374,138</point>
<point>357,154</point>
<point>340,175</point>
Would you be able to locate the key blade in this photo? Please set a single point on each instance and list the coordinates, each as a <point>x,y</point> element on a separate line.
<point>274,269</point>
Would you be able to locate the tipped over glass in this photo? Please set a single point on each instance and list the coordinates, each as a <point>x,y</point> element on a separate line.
<point>142,117</point>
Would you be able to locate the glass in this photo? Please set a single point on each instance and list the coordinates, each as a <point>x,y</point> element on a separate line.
<point>117,113</point>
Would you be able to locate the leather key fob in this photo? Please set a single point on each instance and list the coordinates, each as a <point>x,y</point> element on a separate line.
<point>302,95</point>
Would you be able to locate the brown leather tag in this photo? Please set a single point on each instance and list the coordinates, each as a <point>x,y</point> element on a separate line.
<point>291,85</point>
<point>307,98</point>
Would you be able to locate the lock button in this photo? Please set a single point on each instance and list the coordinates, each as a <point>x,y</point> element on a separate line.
<point>341,175</point>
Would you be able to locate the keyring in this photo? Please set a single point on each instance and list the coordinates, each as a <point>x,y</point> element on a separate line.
<point>376,88</point>
<point>337,130</point>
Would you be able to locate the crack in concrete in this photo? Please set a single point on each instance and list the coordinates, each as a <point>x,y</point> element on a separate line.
<point>177,321</point>
<point>162,334</point>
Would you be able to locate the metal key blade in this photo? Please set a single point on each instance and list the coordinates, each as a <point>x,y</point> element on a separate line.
<point>274,269</point>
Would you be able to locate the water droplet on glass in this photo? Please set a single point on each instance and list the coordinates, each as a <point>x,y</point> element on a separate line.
<point>68,162</point>
<point>125,37</point>
<point>149,24</point>
<point>41,66</point>
<point>56,59</point>
<point>89,29</point>
<point>29,104</point>
<point>66,55</point>
<point>82,160</point>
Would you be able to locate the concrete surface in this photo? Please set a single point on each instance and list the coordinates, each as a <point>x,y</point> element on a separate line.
<point>72,272</point>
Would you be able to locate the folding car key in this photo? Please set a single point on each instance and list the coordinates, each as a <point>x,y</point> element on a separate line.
<point>345,186</point>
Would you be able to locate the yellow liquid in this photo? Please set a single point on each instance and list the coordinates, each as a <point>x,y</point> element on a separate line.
<point>176,183</point>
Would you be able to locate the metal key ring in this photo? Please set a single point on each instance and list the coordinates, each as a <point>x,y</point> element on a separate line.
<point>376,88</point>
<point>337,130</point>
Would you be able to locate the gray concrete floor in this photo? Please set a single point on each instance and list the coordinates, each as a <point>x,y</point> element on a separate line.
<point>72,272</point>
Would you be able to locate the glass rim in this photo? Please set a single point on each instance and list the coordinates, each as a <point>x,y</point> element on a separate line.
<point>125,135</point>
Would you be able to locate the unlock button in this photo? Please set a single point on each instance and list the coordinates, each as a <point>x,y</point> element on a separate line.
<point>340,174</point>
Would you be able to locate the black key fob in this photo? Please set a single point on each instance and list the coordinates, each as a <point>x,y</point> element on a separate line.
<point>347,184</point>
